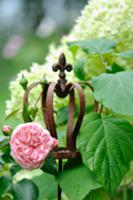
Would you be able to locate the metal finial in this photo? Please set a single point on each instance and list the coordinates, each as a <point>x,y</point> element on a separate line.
<point>61,66</point>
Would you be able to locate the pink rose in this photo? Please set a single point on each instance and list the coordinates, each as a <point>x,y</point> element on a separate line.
<point>30,145</point>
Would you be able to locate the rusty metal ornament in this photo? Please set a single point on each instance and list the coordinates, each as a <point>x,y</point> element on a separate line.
<point>62,89</point>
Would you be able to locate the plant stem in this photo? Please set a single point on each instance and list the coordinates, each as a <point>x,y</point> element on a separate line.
<point>102,61</point>
<point>125,194</point>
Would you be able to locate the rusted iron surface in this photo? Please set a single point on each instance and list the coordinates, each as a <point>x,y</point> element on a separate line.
<point>62,89</point>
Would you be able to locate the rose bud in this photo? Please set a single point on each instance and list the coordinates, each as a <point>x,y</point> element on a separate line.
<point>30,145</point>
<point>7,130</point>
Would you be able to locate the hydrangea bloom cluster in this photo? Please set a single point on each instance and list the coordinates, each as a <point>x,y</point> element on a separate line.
<point>106,18</point>
<point>103,18</point>
<point>30,145</point>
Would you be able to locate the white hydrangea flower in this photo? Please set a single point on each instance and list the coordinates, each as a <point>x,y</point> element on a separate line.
<point>106,18</point>
<point>102,18</point>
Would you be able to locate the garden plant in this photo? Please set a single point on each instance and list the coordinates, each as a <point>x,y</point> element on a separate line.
<point>101,58</point>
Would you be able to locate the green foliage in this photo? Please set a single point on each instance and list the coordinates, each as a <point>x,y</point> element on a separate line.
<point>14,168</point>
<point>105,143</point>
<point>114,68</point>
<point>77,182</point>
<point>79,69</point>
<point>126,54</point>
<point>106,146</point>
<point>97,195</point>
<point>5,183</point>
<point>115,91</point>
<point>95,46</point>
<point>47,186</point>
<point>25,190</point>
<point>50,165</point>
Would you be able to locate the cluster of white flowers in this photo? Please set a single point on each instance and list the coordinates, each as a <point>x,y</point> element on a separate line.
<point>106,18</point>
<point>102,18</point>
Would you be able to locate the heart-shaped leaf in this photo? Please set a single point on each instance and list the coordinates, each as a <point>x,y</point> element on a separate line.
<point>47,186</point>
<point>95,46</point>
<point>77,182</point>
<point>115,91</point>
<point>25,190</point>
<point>106,146</point>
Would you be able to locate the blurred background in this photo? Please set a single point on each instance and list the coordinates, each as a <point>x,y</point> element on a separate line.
<point>27,27</point>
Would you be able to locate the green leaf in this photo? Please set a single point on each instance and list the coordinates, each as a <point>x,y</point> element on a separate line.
<point>25,190</point>
<point>12,114</point>
<point>15,168</point>
<point>77,182</point>
<point>97,195</point>
<point>47,186</point>
<point>115,91</point>
<point>106,146</point>
<point>4,145</point>
<point>73,49</point>
<point>5,183</point>
<point>71,163</point>
<point>126,54</point>
<point>49,165</point>
<point>62,115</point>
<point>79,69</point>
<point>114,68</point>
<point>95,46</point>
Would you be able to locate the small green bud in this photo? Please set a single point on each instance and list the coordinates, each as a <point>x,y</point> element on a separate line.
<point>33,110</point>
<point>23,82</point>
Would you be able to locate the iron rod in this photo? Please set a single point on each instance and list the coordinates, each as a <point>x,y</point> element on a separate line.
<point>59,169</point>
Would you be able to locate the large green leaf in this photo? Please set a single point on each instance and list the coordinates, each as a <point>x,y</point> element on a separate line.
<point>47,186</point>
<point>106,146</point>
<point>77,182</point>
<point>25,190</point>
<point>126,54</point>
<point>5,183</point>
<point>95,46</point>
<point>115,91</point>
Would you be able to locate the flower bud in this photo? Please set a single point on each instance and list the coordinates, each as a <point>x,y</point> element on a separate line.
<point>23,82</point>
<point>7,130</point>
<point>33,110</point>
